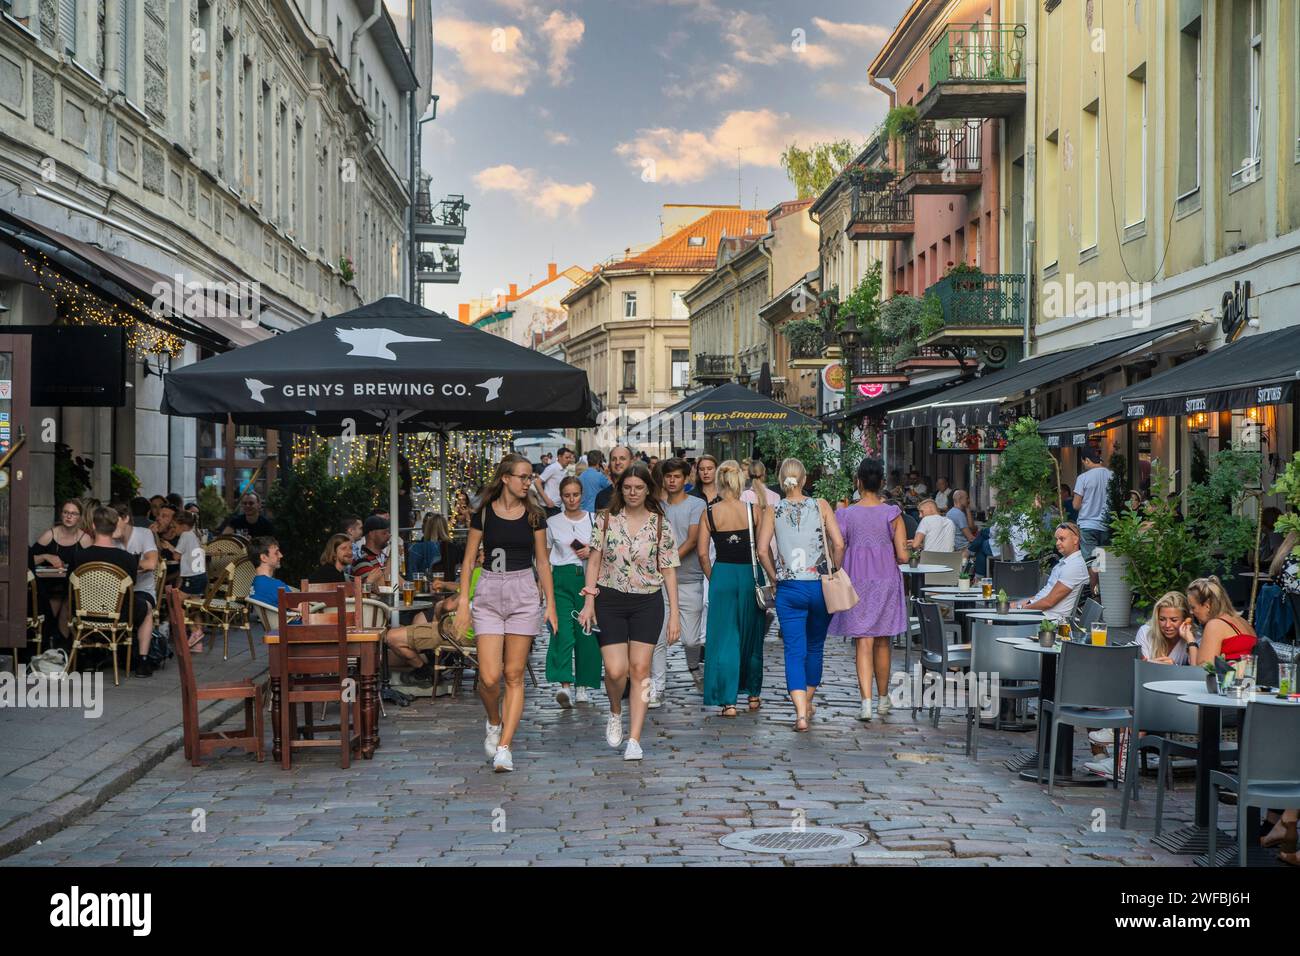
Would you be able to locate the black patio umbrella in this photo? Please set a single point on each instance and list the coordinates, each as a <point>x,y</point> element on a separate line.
<point>389,365</point>
<point>735,408</point>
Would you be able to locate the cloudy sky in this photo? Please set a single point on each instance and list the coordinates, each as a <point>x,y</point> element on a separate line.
<point>568,123</point>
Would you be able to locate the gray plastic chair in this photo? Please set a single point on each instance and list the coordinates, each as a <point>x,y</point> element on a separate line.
<point>1091,613</point>
<point>1018,578</point>
<point>1269,771</point>
<point>949,559</point>
<point>936,655</point>
<point>991,656</point>
<point>1158,716</point>
<point>1094,688</point>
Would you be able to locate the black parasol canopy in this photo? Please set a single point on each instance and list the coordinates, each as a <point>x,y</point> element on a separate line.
<point>384,359</point>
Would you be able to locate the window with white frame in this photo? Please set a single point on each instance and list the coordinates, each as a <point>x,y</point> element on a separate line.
<point>629,370</point>
<point>1189,107</point>
<point>1246,108</point>
<point>629,305</point>
<point>681,368</point>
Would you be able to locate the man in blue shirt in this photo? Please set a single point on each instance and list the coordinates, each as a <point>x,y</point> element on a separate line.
<point>265,553</point>
<point>593,480</point>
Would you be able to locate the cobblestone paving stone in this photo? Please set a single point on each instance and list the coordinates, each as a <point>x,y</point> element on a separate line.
<point>429,796</point>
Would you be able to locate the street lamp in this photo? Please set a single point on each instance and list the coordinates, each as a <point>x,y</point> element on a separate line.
<point>850,337</point>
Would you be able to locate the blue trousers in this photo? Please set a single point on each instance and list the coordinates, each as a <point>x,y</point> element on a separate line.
<point>804,620</point>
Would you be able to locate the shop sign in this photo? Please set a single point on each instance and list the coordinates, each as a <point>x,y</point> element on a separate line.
<point>1236,311</point>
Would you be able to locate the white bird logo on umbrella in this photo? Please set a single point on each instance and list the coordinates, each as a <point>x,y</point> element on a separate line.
<point>374,343</point>
<point>255,389</point>
<point>492,386</point>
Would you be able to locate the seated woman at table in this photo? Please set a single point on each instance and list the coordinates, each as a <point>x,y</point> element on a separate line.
<point>1159,638</point>
<point>1224,632</point>
<point>426,555</point>
<point>1061,592</point>
<point>56,548</point>
<point>334,561</point>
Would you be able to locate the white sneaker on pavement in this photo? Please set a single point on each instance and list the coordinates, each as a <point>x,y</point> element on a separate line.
<point>1101,768</point>
<point>632,751</point>
<point>493,738</point>
<point>865,713</point>
<point>883,706</point>
<point>656,701</point>
<point>584,696</point>
<point>502,762</point>
<point>562,697</point>
<point>614,730</point>
<point>1102,738</point>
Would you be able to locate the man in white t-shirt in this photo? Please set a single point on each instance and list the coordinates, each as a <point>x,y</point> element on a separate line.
<point>1061,592</point>
<point>1092,501</point>
<point>934,532</point>
<point>549,490</point>
<point>141,543</point>
<point>684,513</point>
<point>942,495</point>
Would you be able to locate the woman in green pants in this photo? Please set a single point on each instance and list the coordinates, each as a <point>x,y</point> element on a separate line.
<point>734,629</point>
<point>568,534</point>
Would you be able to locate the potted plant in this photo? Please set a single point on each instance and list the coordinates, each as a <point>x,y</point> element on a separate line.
<point>1023,480</point>
<point>1046,633</point>
<point>900,121</point>
<point>1004,601</point>
<point>346,268</point>
<point>965,277</point>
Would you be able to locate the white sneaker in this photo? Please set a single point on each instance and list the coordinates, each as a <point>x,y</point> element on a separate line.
<point>492,740</point>
<point>1102,738</point>
<point>1101,768</point>
<point>614,730</point>
<point>883,706</point>
<point>503,762</point>
<point>583,696</point>
<point>865,713</point>
<point>656,701</point>
<point>632,751</point>
<point>562,697</point>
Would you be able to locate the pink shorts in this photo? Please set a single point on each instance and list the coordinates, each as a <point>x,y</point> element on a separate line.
<point>507,602</point>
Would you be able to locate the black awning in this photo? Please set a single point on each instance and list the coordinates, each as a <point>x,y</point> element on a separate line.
<point>1072,429</point>
<point>1259,370</point>
<point>977,403</point>
<point>735,408</point>
<point>907,395</point>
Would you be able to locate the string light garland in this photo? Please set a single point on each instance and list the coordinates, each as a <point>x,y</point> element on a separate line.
<point>77,303</point>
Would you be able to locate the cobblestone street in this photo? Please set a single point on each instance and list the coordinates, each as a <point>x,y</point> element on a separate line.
<point>429,796</point>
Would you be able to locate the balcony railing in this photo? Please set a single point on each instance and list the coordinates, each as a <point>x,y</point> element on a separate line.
<point>941,149</point>
<point>989,301</point>
<point>441,266</point>
<point>880,207</point>
<point>440,222</point>
<point>869,362</point>
<point>714,366</point>
<point>979,53</point>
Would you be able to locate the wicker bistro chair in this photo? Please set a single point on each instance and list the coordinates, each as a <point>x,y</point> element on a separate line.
<point>222,550</point>
<point>224,605</point>
<point>35,619</point>
<point>102,614</point>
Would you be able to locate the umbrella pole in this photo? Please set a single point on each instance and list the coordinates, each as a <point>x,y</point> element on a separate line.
<point>395,545</point>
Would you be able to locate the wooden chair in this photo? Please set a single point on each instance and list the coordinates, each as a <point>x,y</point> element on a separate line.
<point>224,604</point>
<point>312,667</point>
<point>35,619</point>
<point>197,742</point>
<point>161,614</point>
<point>98,590</point>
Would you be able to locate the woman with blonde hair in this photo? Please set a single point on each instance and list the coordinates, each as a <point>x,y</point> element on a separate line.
<point>734,628</point>
<point>512,530</point>
<point>756,491</point>
<point>800,528</point>
<point>1158,637</point>
<point>1224,632</point>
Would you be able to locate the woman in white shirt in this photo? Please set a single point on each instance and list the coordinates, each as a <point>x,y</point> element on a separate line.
<point>1159,638</point>
<point>572,652</point>
<point>934,532</point>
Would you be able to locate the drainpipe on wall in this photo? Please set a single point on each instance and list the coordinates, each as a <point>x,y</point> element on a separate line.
<point>1031,169</point>
<point>357,34</point>
<point>887,260</point>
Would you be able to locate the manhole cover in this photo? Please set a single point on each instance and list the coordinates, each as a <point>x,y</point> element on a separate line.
<point>787,840</point>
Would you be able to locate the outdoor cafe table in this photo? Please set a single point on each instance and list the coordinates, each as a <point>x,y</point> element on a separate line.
<point>1194,837</point>
<point>365,645</point>
<point>913,578</point>
<point>1063,772</point>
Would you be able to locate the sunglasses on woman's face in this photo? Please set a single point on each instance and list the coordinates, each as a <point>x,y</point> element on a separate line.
<point>527,477</point>
<point>72,514</point>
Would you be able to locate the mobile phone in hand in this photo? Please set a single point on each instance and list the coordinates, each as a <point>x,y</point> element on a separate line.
<point>576,545</point>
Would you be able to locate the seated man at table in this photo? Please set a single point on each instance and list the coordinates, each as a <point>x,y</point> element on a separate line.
<point>1061,592</point>
<point>934,532</point>
<point>265,553</point>
<point>371,563</point>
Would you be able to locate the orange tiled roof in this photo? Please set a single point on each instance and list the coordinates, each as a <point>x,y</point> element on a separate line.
<point>675,251</point>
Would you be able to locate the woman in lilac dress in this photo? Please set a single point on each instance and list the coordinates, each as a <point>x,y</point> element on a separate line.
<point>875,543</point>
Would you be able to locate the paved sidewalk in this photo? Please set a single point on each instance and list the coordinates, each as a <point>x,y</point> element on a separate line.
<point>429,795</point>
<point>57,764</point>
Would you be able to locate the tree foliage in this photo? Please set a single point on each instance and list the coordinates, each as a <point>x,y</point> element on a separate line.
<point>1288,486</point>
<point>1162,549</point>
<point>1214,508</point>
<point>813,169</point>
<point>1025,482</point>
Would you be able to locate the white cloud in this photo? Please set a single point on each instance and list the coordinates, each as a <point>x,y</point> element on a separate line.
<point>528,186</point>
<point>688,156</point>
<point>485,57</point>
<point>858,34</point>
<point>711,85</point>
<point>556,138</point>
<point>563,33</point>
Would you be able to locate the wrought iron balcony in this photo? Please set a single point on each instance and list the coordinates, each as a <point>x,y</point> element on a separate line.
<point>873,363</point>
<point>880,214</point>
<point>442,266</point>
<point>440,222</point>
<point>711,367</point>
<point>941,159</point>
<point>986,302</point>
<point>976,70</point>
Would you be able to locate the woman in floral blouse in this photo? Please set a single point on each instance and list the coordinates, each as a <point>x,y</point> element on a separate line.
<point>633,557</point>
